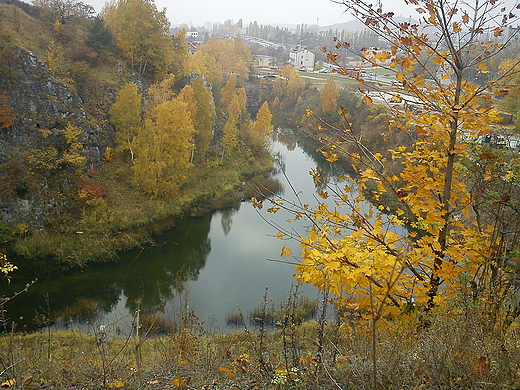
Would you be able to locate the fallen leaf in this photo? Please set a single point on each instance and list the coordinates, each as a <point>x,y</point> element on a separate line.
<point>179,382</point>
<point>228,372</point>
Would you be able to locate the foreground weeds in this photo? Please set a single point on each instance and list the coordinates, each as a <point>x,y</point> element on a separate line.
<point>453,351</point>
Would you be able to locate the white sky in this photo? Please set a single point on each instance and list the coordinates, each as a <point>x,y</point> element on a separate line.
<point>274,12</point>
<point>263,11</point>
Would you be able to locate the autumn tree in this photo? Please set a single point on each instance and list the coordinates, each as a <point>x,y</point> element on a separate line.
<point>204,117</point>
<point>55,57</point>
<point>238,105</point>
<point>221,56</point>
<point>142,34</point>
<point>64,11</point>
<point>511,86</point>
<point>162,91</point>
<point>71,155</point>
<point>329,95</point>
<point>229,138</point>
<point>228,91</point>
<point>181,54</point>
<point>126,117</point>
<point>263,126</point>
<point>187,96</point>
<point>163,149</point>
<point>288,87</point>
<point>433,246</point>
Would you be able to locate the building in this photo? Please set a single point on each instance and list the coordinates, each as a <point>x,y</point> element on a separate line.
<point>302,59</point>
<point>264,61</point>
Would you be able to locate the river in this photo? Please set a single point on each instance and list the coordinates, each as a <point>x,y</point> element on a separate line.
<point>217,265</point>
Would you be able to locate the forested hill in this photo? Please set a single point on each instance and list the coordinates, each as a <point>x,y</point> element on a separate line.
<point>107,125</point>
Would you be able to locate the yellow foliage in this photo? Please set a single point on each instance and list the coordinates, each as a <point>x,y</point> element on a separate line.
<point>142,33</point>
<point>359,254</point>
<point>329,95</point>
<point>6,267</point>
<point>116,384</point>
<point>163,149</point>
<point>125,116</point>
<point>263,124</point>
<point>221,56</point>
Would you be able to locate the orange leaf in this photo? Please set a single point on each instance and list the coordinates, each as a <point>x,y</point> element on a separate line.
<point>456,27</point>
<point>420,130</point>
<point>179,382</point>
<point>228,372</point>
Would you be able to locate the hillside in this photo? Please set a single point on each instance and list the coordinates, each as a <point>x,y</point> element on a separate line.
<point>61,160</point>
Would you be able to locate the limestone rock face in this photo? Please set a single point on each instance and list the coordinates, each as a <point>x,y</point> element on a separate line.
<point>257,94</point>
<point>41,102</point>
<point>44,107</point>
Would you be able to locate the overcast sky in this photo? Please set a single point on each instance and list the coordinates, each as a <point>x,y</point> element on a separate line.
<point>275,12</point>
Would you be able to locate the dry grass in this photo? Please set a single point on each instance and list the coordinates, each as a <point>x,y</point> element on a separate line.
<point>455,351</point>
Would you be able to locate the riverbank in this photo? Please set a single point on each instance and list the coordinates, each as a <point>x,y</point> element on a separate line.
<point>110,215</point>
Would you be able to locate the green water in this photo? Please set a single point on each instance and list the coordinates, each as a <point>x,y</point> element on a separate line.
<point>215,265</point>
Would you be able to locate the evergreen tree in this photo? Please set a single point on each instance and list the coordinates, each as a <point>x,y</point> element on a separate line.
<point>99,37</point>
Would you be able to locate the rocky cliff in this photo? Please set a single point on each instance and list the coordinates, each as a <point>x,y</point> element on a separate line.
<point>41,102</point>
<point>36,145</point>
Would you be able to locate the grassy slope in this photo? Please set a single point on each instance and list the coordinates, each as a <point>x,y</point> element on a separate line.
<point>126,218</point>
<point>454,352</point>
<point>95,229</point>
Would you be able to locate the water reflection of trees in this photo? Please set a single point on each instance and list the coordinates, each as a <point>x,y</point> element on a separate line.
<point>226,218</point>
<point>158,272</point>
<point>151,276</point>
<point>329,172</point>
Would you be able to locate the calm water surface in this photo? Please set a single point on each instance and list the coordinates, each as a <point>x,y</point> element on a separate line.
<point>224,256</point>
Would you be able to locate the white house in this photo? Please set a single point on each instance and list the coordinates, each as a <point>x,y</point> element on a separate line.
<point>302,59</point>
